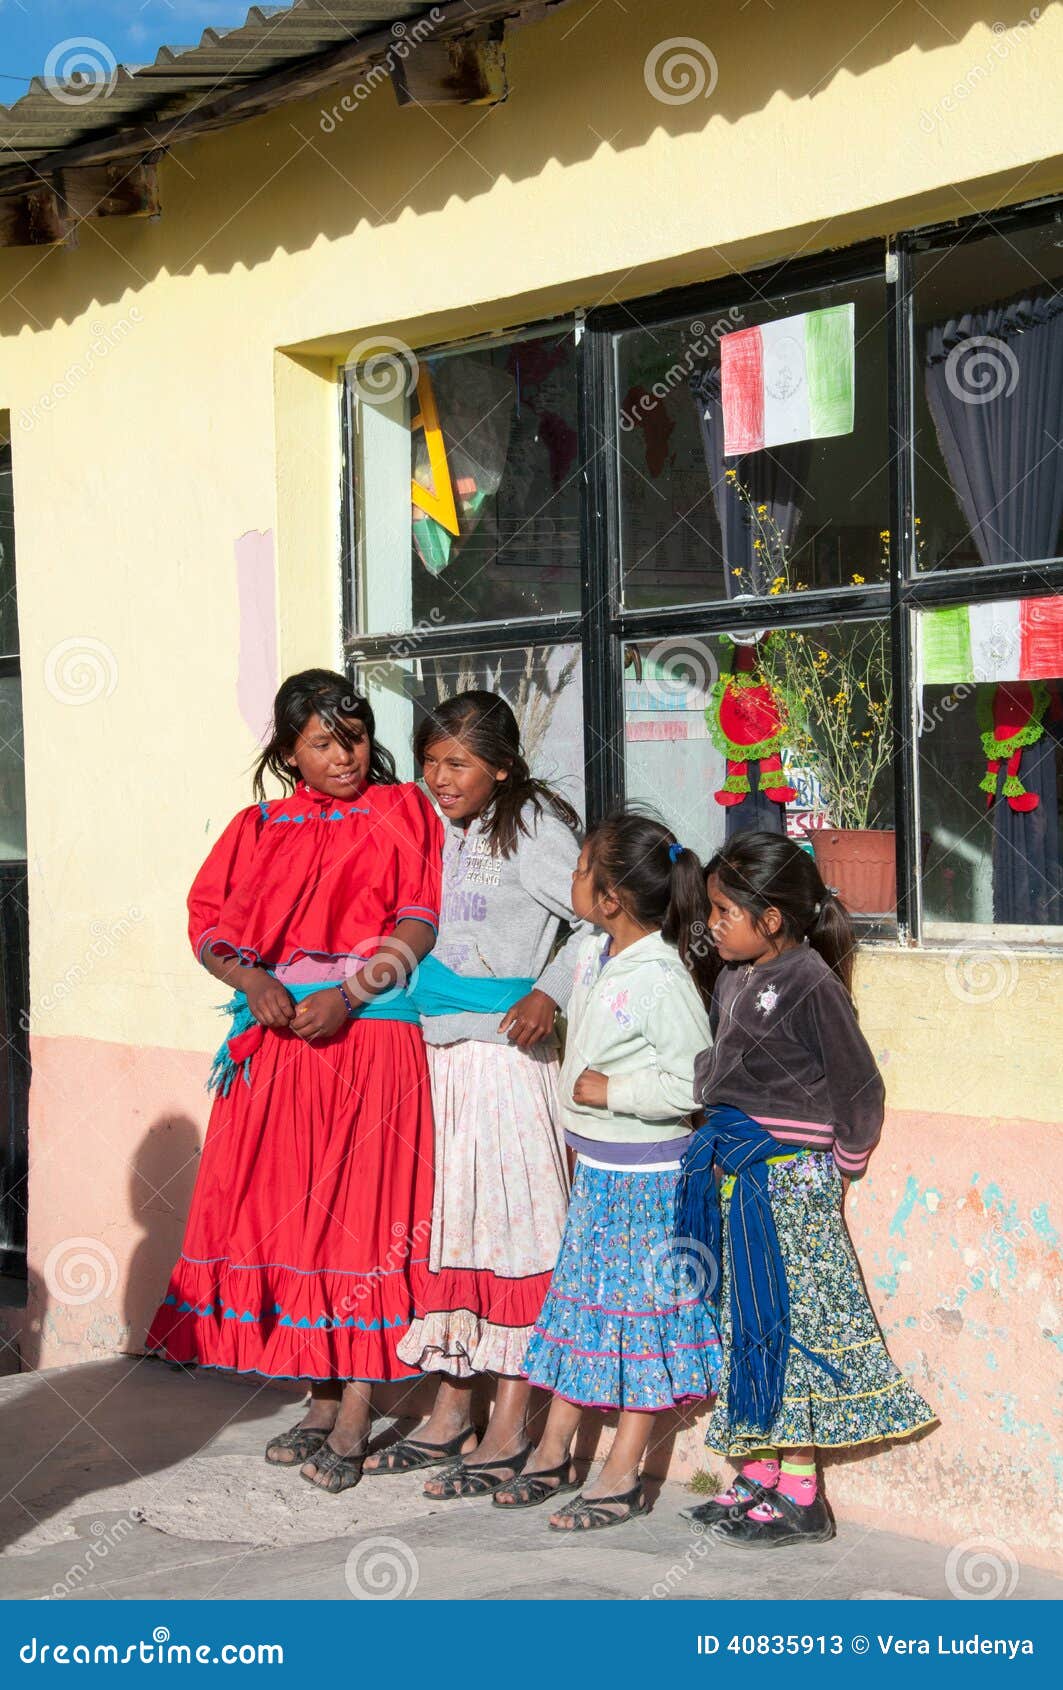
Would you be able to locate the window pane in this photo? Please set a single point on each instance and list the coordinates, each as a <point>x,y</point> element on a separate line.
<point>988,376</point>
<point>793,733</point>
<point>12,772</point>
<point>990,723</point>
<point>542,684</point>
<point>8,601</point>
<point>815,493</point>
<point>467,486</point>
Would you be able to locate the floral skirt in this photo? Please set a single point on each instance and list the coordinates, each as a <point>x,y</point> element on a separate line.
<point>829,1314</point>
<point>501,1193</point>
<point>626,1322</point>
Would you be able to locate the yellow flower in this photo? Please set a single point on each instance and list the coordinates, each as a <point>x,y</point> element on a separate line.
<point>762,510</point>
<point>730,475</point>
<point>858,580</point>
<point>736,572</point>
<point>883,533</point>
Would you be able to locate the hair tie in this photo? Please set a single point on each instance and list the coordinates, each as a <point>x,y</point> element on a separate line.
<point>675,852</point>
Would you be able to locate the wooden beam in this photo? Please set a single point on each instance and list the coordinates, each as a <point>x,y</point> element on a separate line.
<point>467,70</point>
<point>51,212</point>
<point>309,77</point>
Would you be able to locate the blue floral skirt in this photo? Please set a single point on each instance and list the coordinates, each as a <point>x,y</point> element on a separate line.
<point>626,1322</point>
<point>870,1399</point>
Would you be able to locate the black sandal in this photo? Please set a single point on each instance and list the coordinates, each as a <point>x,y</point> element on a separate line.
<point>475,1479</point>
<point>791,1522</point>
<point>342,1472</point>
<point>407,1456</point>
<point>747,1493</point>
<point>591,1514</point>
<point>529,1490</point>
<point>303,1441</point>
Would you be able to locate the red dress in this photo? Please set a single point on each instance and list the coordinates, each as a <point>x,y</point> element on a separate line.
<point>310,1221</point>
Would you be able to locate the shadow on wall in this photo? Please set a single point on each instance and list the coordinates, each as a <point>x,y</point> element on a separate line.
<point>84,1295</point>
<point>314,168</point>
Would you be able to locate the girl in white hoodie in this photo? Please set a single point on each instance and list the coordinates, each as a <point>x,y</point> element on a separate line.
<point>626,1323</point>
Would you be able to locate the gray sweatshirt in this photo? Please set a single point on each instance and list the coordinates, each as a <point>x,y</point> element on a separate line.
<point>501,915</point>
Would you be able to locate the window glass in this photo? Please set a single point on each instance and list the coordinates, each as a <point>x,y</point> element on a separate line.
<point>987,379</point>
<point>12,772</point>
<point>8,601</point>
<point>790,732</point>
<point>772,417</point>
<point>990,725</point>
<point>542,684</point>
<point>467,487</point>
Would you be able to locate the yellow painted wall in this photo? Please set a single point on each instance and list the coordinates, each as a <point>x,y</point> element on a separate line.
<point>171,391</point>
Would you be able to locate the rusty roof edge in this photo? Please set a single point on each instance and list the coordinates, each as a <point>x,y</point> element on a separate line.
<point>293,81</point>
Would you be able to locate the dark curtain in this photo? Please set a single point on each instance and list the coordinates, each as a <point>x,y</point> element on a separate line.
<point>1003,454</point>
<point>775,478</point>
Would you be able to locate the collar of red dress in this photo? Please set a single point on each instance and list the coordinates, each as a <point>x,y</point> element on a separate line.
<point>313,796</point>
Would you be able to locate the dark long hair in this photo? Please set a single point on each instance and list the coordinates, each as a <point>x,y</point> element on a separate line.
<point>323,693</point>
<point>762,871</point>
<point>487,727</point>
<point>633,857</point>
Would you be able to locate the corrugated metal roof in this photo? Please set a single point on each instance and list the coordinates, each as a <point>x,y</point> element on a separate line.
<point>53,116</point>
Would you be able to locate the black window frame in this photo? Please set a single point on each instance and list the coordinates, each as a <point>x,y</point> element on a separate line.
<point>603,627</point>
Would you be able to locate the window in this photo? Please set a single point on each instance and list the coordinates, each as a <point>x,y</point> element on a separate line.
<point>794,538</point>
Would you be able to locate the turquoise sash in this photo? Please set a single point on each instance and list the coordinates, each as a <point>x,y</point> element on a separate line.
<point>434,989</point>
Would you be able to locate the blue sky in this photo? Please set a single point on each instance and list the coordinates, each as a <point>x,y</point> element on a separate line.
<point>132,30</point>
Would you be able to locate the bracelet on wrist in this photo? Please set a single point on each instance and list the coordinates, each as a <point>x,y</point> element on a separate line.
<point>352,1008</point>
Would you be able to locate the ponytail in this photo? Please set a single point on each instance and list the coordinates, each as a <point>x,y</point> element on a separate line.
<point>686,921</point>
<point>832,935</point>
<point>660,883</point>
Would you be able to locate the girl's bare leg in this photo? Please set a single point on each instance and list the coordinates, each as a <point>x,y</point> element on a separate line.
<point>451,1414</point>
<point>320,1415</point>
<point>554,1446</point>
<point>620,1472</point>
<point>506,1434</point>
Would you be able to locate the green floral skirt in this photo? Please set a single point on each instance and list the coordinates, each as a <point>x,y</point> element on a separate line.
<point>830,1315</point>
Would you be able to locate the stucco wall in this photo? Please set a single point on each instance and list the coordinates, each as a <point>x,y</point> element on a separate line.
<point>174,418</point>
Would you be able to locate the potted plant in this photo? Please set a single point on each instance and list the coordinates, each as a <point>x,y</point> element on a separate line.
<point>835,700</point>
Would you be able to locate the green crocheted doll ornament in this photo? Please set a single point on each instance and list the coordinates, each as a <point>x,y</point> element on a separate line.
<point>746,723</point>
<point>1011,718</point>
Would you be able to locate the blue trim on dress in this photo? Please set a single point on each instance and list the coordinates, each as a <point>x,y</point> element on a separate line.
<point>324,1322</point>
<point>304,1273</point>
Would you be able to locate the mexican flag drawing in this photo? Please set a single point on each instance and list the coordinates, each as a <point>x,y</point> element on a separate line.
<point>791,379</point>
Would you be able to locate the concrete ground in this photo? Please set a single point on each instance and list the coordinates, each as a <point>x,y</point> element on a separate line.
<point>128,1479</point>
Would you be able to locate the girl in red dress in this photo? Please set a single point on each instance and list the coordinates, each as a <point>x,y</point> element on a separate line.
<point>311,1215</point>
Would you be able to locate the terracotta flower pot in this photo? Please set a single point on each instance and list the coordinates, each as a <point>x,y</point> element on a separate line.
<point>862,864</point>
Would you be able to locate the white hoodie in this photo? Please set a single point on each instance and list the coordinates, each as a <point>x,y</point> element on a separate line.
<point>636,1017</point>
